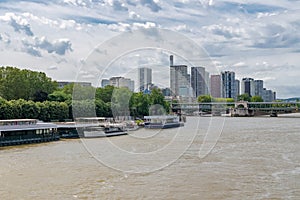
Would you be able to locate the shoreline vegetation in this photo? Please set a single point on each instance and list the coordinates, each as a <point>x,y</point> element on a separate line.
<point>26,94</point>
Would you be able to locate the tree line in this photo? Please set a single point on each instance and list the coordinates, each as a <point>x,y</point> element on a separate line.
<point>29,94</point>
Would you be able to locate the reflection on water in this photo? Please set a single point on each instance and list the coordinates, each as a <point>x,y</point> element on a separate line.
<point>255,158</point>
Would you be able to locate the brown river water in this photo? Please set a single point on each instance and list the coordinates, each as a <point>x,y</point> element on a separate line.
<point>208,158</point>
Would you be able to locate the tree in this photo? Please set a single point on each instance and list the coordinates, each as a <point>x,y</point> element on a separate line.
<point>157,98</point>
<point>120,101</point>
<point>105,94</point>
<point>256,99</point>
<point>23,84</point>
<point>139,105</point>
<point>205,99</point>
<point>60,96</point>
<point>244,97</point>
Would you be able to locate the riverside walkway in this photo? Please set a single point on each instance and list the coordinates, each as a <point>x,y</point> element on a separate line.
<point>253,108</point>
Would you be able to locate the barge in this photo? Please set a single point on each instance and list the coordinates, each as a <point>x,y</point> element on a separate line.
<point>162,122</point>
<point>26,131</point>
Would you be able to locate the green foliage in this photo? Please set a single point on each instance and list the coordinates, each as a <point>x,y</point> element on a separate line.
<point>102,109</point>
<point>59,96</point>
<point>257,99</point>
<point>120,101</point>
<point>205,99</point>
<point>139,105</point>
<point>230,100</point>
<point>83,92</point>
<point>105,94</point>
<point>244,97</point>
<point>46,111</point>
<point>157,98</point>
<point>23,84</point>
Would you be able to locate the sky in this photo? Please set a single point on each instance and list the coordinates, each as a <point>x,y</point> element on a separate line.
<point>73,40</point>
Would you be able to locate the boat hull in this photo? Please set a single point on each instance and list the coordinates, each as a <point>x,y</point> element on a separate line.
<point>162,126</point>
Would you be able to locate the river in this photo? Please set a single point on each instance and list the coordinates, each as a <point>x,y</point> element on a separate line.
<point>208,158</point>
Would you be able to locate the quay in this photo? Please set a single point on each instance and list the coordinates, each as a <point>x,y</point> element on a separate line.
<point>237,109</point>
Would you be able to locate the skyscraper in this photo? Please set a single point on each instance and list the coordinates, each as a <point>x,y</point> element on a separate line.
<point>228,84</point>
<point>199,81</point>
<point>258,87</point>
<point>145,78</point>
<point>248,86</point>
<point>237,88</point>
<point>215,86</point>
<point>179,80</point>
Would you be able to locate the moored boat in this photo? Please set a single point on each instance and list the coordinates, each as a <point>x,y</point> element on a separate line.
<point>162,122</point>
<point>25,131</point>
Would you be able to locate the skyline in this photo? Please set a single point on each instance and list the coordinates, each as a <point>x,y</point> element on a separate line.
<point>254,39</point>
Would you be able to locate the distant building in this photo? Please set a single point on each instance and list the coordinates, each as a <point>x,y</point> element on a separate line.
<point>61,84</point>
<point>199,81</point>
<point>237,88</point>
<point>248,86</point>
<point>258,87</point>
<point>104,82</point>
<point>179,79</point>
<point>215,86</point>
<point>207,82</point>
<point>268,95</point>
<point>122,82</point>
<point>228,84</point>
<point>145,78</point>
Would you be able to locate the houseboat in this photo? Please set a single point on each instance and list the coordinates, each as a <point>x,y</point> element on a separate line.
<point>25,131</point>
<point>91,127</point>
<point>162,122</point>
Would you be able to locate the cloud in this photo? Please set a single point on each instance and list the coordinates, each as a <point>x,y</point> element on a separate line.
<point>276,36</point>
<point>226,31</point>
<point>154,7</point>
<point>59,47</point>
<point>19,23</point>
<point>31,50</point>
<point>119,6</point>
<point>133,15</point>
<point>52,67</point>
<point>239,64</point>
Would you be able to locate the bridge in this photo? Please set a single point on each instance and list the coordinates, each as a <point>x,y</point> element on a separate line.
<point>242,108</point>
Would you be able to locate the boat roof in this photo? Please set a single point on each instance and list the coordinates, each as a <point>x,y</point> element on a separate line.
<point>90,118</point>
<point>161,117</point>
<point>18,120</point>
<point>37,126</point>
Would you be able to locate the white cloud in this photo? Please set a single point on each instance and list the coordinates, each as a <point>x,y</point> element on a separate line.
<point>59,47</point>
<point>133,15</point>
<point>236,33</point>
<point>19,23</point>
<point>239,64</point>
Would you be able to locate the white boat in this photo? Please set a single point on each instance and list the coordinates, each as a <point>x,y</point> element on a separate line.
<point>162,122</point>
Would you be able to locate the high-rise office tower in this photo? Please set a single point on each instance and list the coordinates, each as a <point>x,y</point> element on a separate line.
<point>215,86</point>
<point>237,88</point>
<point>248,86</point>
<point>145,78</point>
<point>258,87</point>
<point>228,84</point>
<point>199,81</point>
<point>179,79</point>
